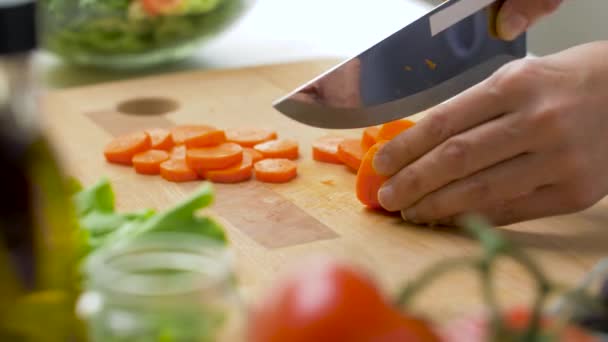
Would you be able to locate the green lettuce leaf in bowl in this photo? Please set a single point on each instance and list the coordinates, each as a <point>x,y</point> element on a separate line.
<point>123,34</point>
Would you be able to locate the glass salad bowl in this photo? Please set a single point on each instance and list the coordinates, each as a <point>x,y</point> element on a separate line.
<point>127,34</point>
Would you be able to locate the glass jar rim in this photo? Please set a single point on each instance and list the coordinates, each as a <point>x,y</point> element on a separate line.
<point>160,264</point>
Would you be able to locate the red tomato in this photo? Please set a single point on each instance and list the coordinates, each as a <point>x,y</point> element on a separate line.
<point>474,329</point>
<point>156,7</point>
<point>328,302</point>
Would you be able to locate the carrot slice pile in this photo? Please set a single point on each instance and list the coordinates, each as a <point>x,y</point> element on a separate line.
<point>161,139</point>
<point>182,133</point>
<point>392,129</point>
<point>250,136</point>
<point>280,148</point>
<point>148,163</point>
<point>368,181</point>
<point>325,149</point>
<point>176,170</point>
<point>235,174</point>
<point>190,152</point>
<point>122,149</point>
<point>275,170</point>
<point>351,153</point>
<point>370,137</point>
<point>214,158</point>
<point>255,155</point>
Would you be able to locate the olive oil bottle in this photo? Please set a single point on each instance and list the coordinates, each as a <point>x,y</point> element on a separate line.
<point>38,280</point>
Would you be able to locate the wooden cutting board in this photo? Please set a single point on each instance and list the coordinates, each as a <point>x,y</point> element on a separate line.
<point>271,226</point>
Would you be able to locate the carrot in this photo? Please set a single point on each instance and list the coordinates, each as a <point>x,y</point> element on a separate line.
<point>275,170</point>
<point>122,149</point>
<point>148,163</point>
<point>235,174</point>
<point>214,158</point>
<point>281,148</point>
<point>325,149</point>
<point>178,152</point>
<point>392,129</point>
<point>206,138</point>
<point>255,155</point>
<point>176,170</point>
<point>368,181</point>
<point>351,153</point>
<point>370,137</point>
<point>182,132</point>
<point>161,139</point>
<point>250,136</point>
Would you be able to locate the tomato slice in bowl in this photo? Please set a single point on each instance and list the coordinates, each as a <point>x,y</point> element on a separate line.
<point>158,7</point>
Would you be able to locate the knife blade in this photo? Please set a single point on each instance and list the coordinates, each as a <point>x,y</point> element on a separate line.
<point>431,60</point>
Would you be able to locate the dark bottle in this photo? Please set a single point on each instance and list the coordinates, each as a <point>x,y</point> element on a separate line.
<point>38,280</point>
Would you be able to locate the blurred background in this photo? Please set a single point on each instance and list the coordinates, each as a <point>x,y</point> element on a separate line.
<point>279,31</point>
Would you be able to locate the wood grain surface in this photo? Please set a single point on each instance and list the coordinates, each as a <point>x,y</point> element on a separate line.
<point>273,226</point>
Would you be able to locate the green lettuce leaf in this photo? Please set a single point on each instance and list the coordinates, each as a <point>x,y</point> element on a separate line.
<point>101,225</point>
<point>180,218</point>
<point>99,198</point>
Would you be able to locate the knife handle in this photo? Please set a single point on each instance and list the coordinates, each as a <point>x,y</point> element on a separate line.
<point>493,17</point>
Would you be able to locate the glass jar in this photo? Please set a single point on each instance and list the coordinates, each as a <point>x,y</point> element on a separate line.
<point>132,34</point>
<point>162,287</point>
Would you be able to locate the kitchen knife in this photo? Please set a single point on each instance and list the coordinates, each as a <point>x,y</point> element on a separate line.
<point>448,50</point>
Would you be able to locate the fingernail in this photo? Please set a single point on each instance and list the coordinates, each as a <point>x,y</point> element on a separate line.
<point>512,24</point>
<point>381,163</point>
<point>409,215</point>
<point>385,195</point>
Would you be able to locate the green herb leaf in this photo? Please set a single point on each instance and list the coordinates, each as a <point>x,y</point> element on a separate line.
<point>180,218</point>
<point>99,223</point>
<point>99,197</point>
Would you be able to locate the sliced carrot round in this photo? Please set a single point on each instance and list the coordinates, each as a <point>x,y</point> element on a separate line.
<point>281,148</point>
<point>178,152</point>
<point>250,136</point>
<point>275,170</point>
<point>160,138</point>
<point>176,170</point>
<point>325,149</point>
<point>351,153</point>
<point>368,181</point>
<point>148,163</point>
<point>235,174</point>
<point>122,149</point>
<point>392,129</point>
<point>370,137</point>
<point>214,158</point>
<point>206,139</point>
<point>255,155</point>
<point>181,133</point>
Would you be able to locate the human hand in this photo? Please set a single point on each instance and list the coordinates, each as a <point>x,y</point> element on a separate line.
<point>516,16</point>
<point>530,141</point>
